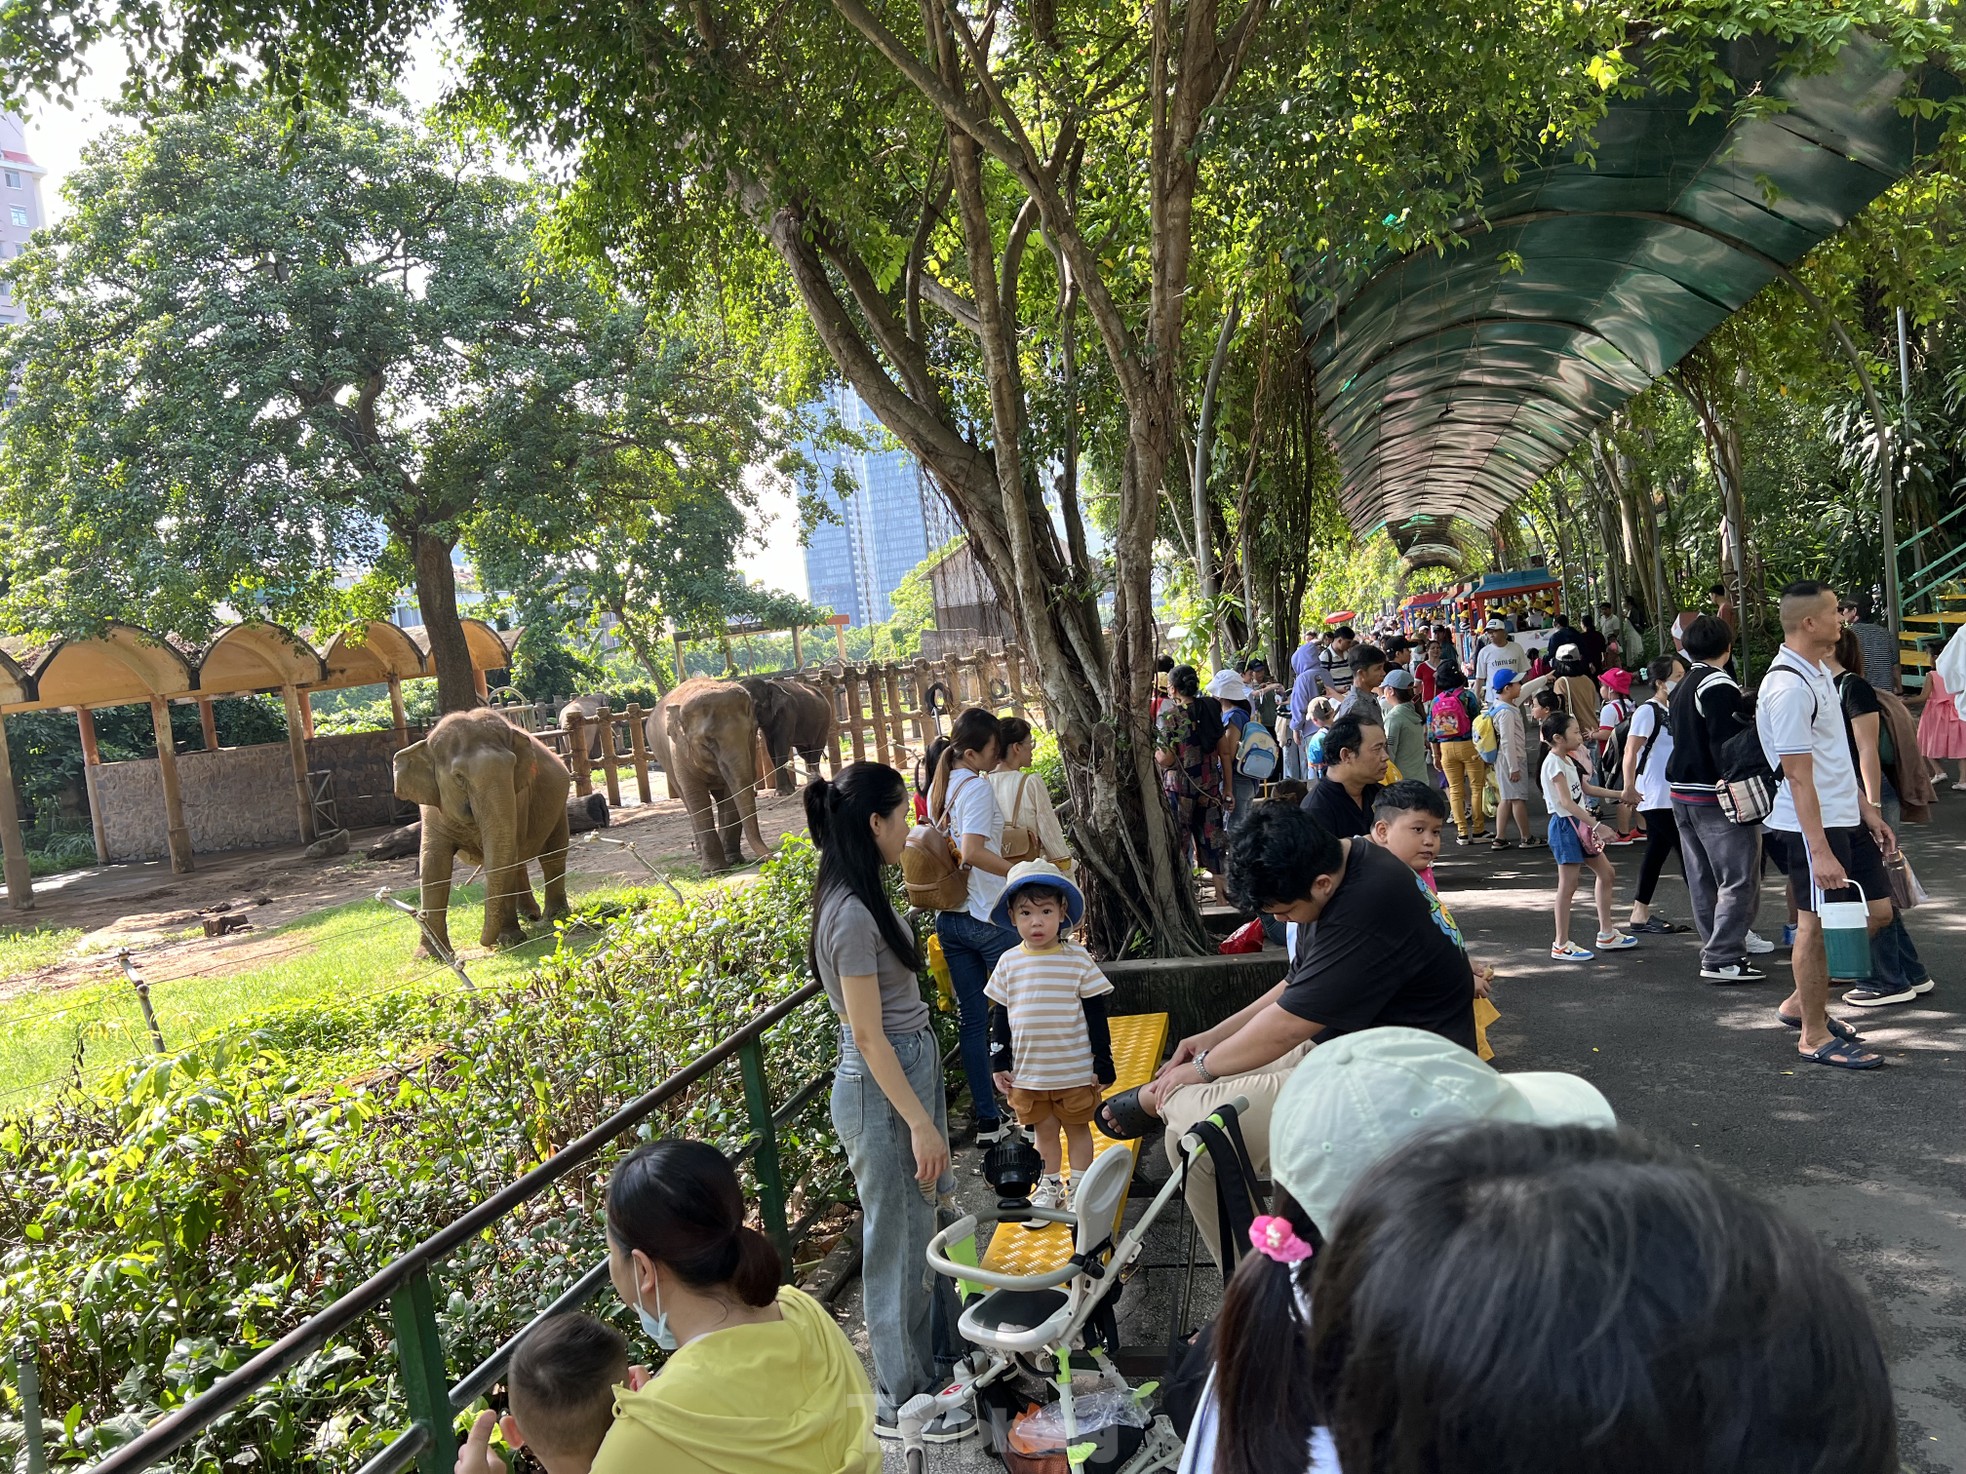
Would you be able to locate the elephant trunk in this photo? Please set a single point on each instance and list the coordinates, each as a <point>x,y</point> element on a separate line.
<point>495,807</point>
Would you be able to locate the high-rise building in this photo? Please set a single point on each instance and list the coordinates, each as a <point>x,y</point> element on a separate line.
<point>20,201</point>
<point>893,519</point>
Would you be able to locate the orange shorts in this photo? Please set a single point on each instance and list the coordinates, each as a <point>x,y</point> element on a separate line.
<point>1072,1107</point>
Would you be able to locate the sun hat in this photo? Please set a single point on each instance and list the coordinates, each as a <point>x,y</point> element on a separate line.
<point>1226,685</point>
<point>1357,1098</point>
<point>1038,872</point>
<point>1399,678</point>
<point>1501,680</point>
<point>1568,652</point>
<point>1618,679</point>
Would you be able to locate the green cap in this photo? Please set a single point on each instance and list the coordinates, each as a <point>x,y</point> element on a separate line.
<point>1355,1099</point>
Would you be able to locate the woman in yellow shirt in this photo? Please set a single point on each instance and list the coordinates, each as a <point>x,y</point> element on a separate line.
<point>759,1380</point>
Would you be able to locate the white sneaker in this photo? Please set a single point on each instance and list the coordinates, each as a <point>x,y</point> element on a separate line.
<point>1053,1194</point>
<point>1758,945</point>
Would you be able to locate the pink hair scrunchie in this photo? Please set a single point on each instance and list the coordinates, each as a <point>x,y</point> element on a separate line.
<point>1274,1238</point>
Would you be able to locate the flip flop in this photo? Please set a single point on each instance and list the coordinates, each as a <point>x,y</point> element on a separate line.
<point>1658,927</point>
<point>1123,1118</point>
<point>1842,1028</point>
<point>1844,1054</point>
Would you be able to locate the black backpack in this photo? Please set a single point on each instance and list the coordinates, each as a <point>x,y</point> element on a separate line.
<point>1748,781</point>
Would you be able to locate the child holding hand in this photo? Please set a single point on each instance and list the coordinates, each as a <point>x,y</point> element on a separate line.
<point>1577,840</point>
<point>1052,1047</point>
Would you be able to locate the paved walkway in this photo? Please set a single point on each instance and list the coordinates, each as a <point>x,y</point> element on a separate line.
<point>1875,1162</point>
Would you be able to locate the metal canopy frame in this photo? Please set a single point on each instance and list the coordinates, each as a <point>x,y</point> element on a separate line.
<point>1452,382</point>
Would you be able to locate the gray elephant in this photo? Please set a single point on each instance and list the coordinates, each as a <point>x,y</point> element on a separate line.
<point>705,735</point>
<point>498,797</point>
<point>795,717</point>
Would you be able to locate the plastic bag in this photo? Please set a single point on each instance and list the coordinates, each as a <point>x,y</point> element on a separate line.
<point>1245,938</point>
<point>1042,1430</point>
<point>1905,887</point>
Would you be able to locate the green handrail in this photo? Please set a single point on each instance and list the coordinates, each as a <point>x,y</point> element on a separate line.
<point>406,1285</point>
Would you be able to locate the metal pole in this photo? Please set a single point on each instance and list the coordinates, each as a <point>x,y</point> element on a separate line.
<point>420,1360</point>
<point>27,1382</point>
<point>446,955</point>
<point>771,1182</point>
<point>143,998</point>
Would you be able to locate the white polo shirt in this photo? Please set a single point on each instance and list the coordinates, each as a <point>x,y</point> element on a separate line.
<point>1797,711</point>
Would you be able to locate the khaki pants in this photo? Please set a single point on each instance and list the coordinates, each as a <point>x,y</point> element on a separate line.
<point>1461,763</point>
<point>1190,1103</point>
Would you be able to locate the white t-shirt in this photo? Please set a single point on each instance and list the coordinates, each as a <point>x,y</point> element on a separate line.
<point>1560,776</point>
<point>1491,658</point>
<point>1043,993</point>
<point>1797,711</point>
<point>1614,712</point>
<point>973,810</point>
<point>1653,790</point>
<point>1199,1455</point>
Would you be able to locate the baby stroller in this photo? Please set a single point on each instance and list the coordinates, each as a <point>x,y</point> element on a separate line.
<point>1031,1330</point>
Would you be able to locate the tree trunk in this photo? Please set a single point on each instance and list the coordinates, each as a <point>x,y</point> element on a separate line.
<point>644,651</point>
<point>436,600</point>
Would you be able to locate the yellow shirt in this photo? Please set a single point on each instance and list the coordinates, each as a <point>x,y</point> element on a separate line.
<point>782,1397</point>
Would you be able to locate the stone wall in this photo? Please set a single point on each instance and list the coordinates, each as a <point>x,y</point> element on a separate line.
<point>242,798</point>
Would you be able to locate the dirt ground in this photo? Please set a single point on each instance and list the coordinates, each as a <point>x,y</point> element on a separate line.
<point>145,907</point>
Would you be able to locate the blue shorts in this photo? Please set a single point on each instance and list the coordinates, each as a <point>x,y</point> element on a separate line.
<point>1565,847</point>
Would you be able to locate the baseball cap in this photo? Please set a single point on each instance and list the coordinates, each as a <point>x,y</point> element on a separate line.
<point>1569,652</point>
<point>1038,872</point>
<point>1496,624</point>
<point>1399,678</point>
<point>1354,1100</point>
<point>1226,685</point>
<point>1501,679</point>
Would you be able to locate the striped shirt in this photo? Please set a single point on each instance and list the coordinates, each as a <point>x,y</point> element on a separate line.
<point>1042,993</point>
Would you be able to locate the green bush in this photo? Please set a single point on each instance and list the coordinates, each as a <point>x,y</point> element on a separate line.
<point>164,1225</point>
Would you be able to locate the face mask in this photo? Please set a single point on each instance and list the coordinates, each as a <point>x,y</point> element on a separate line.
<point>656,1325</point>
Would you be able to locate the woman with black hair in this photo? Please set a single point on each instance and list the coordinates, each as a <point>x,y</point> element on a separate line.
<point>961,800</point>
<point>759,1378</point>
<point>1187,748</point>
<point>888,1101</point>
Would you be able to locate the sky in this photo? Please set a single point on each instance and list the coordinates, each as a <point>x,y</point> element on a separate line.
<point>56,137</point>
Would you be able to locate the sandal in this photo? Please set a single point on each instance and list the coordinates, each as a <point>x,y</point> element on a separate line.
<point>1571,952</point>
<point>1844,1054</point>
<point>1122,1118</point>
<point>1503,844</point>
<point>1657,926</point>
<point>1842,1028</point>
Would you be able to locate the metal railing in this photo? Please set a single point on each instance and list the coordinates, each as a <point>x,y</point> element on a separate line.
<point>405,1283</point>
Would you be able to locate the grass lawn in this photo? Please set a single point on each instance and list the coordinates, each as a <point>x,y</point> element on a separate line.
<point>24,948</point>
<point>339,954</point>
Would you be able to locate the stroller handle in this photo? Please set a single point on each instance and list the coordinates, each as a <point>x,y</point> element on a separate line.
<point>965,1226</point>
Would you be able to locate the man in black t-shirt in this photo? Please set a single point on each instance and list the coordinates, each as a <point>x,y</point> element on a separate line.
<point>1372,949</point>
<point>1354,762</point>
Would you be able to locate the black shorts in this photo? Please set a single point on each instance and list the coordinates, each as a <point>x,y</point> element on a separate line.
<point>1855,849</point>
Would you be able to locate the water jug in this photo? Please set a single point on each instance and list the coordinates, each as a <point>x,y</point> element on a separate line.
<point>1846,936</point>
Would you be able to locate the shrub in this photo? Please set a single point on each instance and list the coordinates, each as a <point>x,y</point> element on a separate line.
<point>164,1225</point>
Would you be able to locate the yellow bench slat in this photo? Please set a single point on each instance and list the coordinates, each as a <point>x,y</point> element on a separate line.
<point>1139,1041</point>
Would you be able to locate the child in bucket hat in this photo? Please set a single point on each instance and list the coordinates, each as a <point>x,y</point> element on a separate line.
<point>1052,1049</point>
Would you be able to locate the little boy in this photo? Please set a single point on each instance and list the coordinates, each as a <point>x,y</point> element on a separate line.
<point>1320,714</point>
<point>1577,840</point>
<point>1408,819</point>
<point>560,1389</point>
<point>1048,1024</point>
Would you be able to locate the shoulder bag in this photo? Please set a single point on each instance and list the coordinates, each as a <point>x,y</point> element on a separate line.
<point>1020,840</point>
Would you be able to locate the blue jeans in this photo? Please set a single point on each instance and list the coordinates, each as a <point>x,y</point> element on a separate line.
<point>1245,791</point>
<point>971,948</point>
<point>913,1308</point>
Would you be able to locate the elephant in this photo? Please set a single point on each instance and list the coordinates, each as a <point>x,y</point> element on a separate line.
<point>796,717</point>
<point>705,735</point>
<point>498,797</point>
<point>588,706</point>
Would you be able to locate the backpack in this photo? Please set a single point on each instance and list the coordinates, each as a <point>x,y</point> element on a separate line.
<point>1659,726</point>
<point>1258,757</point>
<point>1448,719</point>
<point>1746,792</point>
<point>1611,758</point>
<point>932,867</point>
<point>1487,741</point>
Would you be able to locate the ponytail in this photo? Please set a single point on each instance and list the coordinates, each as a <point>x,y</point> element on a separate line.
<point>974,730</point>
<point>678,1202</point>
<point>1263,1360</point>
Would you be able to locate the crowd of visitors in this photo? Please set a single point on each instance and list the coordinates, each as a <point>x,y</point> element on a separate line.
<point>1478,1269</point>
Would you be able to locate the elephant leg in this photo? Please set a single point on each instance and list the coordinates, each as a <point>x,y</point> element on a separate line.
<point>730,829</point>
<point>784,777</point>
<point>435,858</point>
<point>702,818</point>
<point>528,905</point>
<point>747,813</point>
<point>553,869</point>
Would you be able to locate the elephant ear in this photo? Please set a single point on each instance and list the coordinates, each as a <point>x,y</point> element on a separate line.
<point>416,775</point>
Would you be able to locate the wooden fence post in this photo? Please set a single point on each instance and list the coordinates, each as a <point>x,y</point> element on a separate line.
<point>577,760</point>
<point>831,687</point>
<point>638,751</point>
<point>608,771</point>
<point>953,679</point>
<point>872,675</point>
<point>923,720</point>
<point>850,685</point>
<point>896,712</point>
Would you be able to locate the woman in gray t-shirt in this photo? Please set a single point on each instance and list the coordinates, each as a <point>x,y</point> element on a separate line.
<point>888,1101</point>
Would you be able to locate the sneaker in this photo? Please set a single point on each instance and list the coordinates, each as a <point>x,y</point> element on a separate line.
<point>949,1426</point>
<point>1623,839</point>
<point>1571,952</point>
<point>1869,995</point>
<point>1616,942</point>
<point>1734,972</point>
<point>1053,1194</point>
<point>1788,934</point>
<point>1925,986</point>
<point>1462,839</point>
<point>1757,946</point>
<point>989,1133</point>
